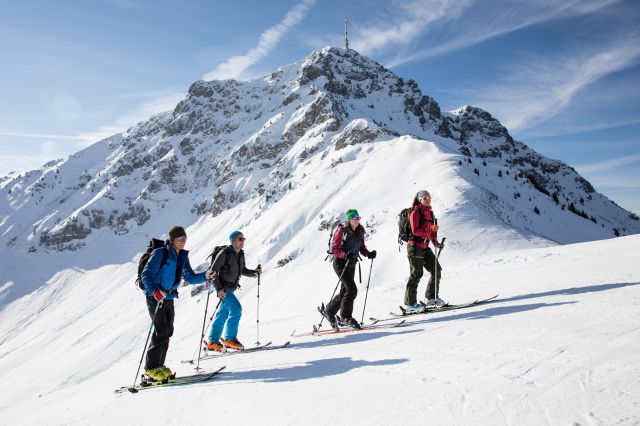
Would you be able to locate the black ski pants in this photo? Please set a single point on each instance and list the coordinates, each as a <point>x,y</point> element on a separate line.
<point>162,332</point>
<point>348,290</point>
<point>420,258</point>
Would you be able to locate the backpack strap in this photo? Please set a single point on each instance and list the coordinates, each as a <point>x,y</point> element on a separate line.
<point>165,256</point>
<point>412,236</point>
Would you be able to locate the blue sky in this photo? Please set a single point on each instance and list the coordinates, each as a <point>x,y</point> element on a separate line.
<point>563,76</point>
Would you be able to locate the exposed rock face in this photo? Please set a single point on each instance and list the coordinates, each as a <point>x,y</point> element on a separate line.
<point>229,141</point>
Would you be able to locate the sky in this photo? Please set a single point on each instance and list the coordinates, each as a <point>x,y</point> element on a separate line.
<point>563,77</point>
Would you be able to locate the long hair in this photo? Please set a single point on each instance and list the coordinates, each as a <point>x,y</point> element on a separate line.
<point>415,200</point>
<point>359,229</point>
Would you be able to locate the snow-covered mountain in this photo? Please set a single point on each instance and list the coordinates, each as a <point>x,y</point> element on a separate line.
<point>231,146</point>
<point>281,158</point>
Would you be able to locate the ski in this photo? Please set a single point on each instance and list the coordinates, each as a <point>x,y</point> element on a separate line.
<point>178,381</point>
<point>266,347</point>
<point>430,310</point>
<point>342,330</point>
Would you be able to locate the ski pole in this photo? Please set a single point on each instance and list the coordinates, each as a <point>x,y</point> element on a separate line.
<point>335,289</point>
<point>435,267</point>
<point>258,314</point>
<point>202,336</point>
<point>204,319</point>
<point>367,293</point>
<point>133,389</point>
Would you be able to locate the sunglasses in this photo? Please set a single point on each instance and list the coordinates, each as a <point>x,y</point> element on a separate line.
<point>180,239</point>
<point>356,218</point>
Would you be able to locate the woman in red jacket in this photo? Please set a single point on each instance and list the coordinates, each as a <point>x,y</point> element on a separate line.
<point>423,230</point>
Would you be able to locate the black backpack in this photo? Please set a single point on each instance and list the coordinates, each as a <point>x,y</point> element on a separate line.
<point>225,266</point>
<point>144,259</point>
<point>404,225</point>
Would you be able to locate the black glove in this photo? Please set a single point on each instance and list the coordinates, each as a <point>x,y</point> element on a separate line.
<point>352,256</point>
<point>372,254</point>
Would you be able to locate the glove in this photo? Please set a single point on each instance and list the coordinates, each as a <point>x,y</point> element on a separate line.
<point>372,254</point>
<point>258,271</point>
<point>210,275</point>
<point>159,295</point>
<point>352,256</point>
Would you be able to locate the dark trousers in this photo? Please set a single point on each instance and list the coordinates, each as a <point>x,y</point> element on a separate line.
<point>420,258</point>
<point>162,332</point>
<point>348,290</point>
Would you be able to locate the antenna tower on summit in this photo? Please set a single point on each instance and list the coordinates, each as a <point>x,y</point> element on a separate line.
<point>346,35</point>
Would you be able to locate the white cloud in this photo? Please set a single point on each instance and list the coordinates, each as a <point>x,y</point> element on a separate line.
<point>236,66</point>
<point>6,132</point>
<point>141,113</point>
<point>542,87</point>
<point>411,20</point>
<point>607,165</point>
<point>447,25</point>
<point>51,149</point>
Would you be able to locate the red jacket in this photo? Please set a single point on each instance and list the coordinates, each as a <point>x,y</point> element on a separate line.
<point>425,230</point>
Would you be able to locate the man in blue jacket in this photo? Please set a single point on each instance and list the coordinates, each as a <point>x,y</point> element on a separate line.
<point>161,282</point>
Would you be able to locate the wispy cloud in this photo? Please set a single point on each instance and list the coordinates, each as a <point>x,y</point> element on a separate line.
<point>236,66</point>
<point>53,146</point>
<point>477,22</point>
<point>5,132</point>
<point>542,87</point>
<point>141,113</point>
<point>607,165</point>
<point>418,29</point>
<point>408,21</point>
<point>572,129</point>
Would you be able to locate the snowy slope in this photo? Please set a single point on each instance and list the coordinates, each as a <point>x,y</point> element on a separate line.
<point>551,350</point>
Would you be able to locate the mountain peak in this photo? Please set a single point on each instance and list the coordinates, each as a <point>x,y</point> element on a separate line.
<point>230,142</point>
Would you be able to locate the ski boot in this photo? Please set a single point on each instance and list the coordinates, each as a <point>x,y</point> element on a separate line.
<point>435,303</point>
<point>414,308</point>
<point>153,375</point>
<point>332,319</point>
<point>351,322</point>
<point>168,373</point>
<point>232,344</point>
<point>213,346</point>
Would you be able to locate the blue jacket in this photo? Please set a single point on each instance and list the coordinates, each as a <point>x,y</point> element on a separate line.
<point>154,277</point>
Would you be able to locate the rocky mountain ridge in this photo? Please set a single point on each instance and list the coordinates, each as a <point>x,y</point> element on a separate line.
<point>231,141</point>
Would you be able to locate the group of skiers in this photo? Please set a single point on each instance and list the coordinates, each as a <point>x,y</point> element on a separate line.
<point>162,277</point>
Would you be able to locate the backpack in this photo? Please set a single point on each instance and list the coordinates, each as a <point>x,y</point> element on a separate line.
<point>154,244</point>
<point>225,266</point>
<point>333,230</point>
<point>404,224</point>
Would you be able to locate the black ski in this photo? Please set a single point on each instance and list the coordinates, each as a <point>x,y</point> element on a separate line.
<point>212,354</point>
<point>178,381</point>
<point>430,310</point>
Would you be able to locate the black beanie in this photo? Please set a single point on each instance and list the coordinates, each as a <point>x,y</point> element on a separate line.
<point>175,232</point>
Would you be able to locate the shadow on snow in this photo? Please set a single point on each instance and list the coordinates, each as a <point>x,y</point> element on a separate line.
<point>569,291</point>
<point>309,370</point>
